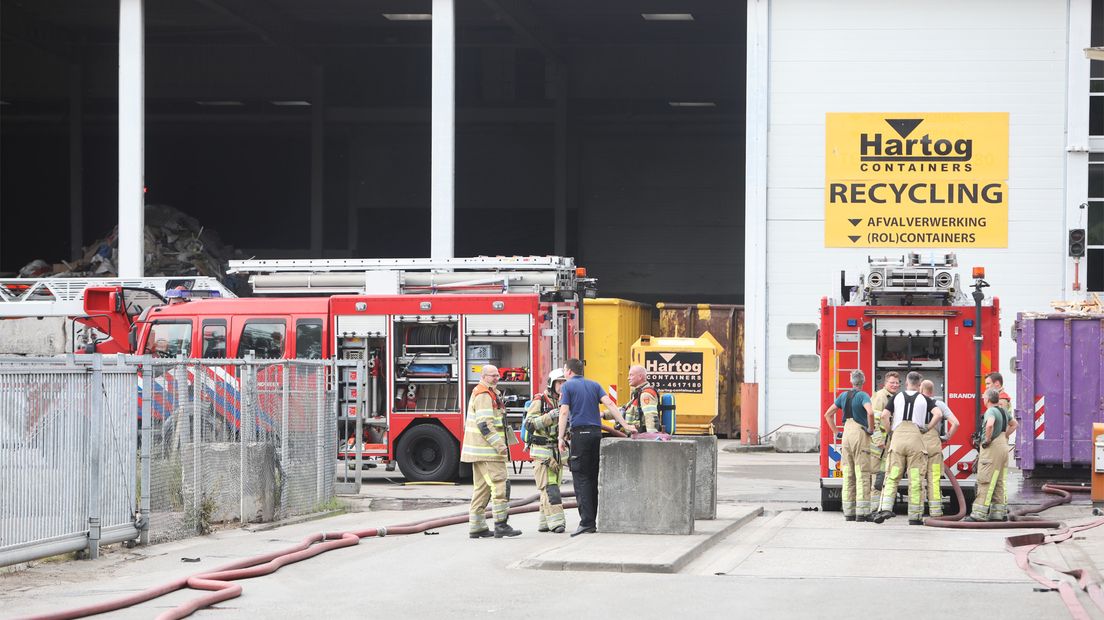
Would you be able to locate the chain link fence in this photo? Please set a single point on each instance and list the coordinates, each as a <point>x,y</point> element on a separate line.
<point>236,440</point>
<point>113,448</point>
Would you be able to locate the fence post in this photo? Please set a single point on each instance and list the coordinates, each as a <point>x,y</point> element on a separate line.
<point>319,428</point>
<point>147,442</point>
<point>285,431</point>
<point>248,394</point>
<point>95,446</point>
<point>196,411</point>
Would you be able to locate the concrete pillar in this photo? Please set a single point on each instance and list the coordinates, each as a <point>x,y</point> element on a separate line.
<point>443,130</point>
<point>318,170</point>
<point>76,162</point>
<point>131,139</point>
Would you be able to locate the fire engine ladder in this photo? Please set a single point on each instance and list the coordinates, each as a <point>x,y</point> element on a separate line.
<point>41,297</point>
<point>848,357</point>
<point>394,276</point>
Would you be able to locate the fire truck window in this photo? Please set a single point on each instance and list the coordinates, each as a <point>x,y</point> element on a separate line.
<point>308,339</point>
<point>264,338</point>
<point>804,363</point>
<point>170,339</point>
<point>801,331</point>
<point>214,339</point>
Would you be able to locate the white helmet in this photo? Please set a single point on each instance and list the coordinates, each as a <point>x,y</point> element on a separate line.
<point>554,376</point>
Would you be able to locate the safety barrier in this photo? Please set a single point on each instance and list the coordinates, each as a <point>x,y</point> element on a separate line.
<point>97,449</point>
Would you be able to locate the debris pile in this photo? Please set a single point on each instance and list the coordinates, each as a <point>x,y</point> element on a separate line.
<point>1091,305</point>
<point>176,245</point>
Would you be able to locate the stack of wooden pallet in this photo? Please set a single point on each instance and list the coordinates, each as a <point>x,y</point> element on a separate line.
<point>1090,305</point>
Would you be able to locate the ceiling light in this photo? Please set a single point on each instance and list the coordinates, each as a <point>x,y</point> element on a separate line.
<point>668,17</point>
<point>221,103</point>
<point>692,104</point>
<point>408,17</point>
<point>292,103</point>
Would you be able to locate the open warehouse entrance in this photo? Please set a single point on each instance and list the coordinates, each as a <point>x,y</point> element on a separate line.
<point>264,117</point>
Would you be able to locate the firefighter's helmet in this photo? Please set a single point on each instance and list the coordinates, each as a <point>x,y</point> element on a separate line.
<point>554,376</point>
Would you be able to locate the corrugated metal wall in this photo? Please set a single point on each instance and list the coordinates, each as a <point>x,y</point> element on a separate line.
<point>931,56</point>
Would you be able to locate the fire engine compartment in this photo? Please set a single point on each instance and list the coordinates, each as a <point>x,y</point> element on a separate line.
<point>919,321</point>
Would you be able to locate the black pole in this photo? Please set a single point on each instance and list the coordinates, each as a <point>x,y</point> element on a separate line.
<point>978,296</point>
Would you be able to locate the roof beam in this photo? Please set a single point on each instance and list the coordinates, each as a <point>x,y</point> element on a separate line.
<point>18,25</point>
<point>525,22</point>
<point>260,19</point>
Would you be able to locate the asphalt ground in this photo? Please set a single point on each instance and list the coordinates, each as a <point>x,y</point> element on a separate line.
<point>787,563</point>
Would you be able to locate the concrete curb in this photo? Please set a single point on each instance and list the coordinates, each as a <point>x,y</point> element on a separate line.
<point>738,448</point>
<point>708,533</point>
<point>314,516</point>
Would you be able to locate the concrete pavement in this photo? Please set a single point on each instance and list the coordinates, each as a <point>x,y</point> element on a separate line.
<point>786,563</point>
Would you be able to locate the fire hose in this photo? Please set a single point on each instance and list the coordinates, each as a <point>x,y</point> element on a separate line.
<point>220,580</point>
<point>1019,518</point>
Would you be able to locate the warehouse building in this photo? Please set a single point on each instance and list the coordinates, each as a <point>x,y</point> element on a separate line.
<point>680,150</point>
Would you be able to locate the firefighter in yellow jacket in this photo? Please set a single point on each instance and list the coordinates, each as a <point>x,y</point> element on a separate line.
<point>541,421</point>
<point>485,447</point>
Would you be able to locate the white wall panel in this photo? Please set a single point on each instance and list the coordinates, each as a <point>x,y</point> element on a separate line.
<point>908,56</point>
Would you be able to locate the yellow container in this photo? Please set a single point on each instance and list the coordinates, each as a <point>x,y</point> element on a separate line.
<point>688,369</point>
<point>611,326</point>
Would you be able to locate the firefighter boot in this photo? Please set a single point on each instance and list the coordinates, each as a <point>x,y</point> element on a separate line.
<point>503,530</point>
<point>481,534</point>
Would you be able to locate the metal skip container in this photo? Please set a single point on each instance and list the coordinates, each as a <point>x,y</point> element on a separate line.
<point>612,326</point>
<point>726,324</point>
<point>1059,388</point>
<point>688,369</point>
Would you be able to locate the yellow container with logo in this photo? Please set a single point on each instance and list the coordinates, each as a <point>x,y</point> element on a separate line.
<point>610,329</point>
<point>688,369</point>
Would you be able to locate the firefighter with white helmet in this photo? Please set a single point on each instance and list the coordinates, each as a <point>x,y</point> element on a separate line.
<point>541,421</point>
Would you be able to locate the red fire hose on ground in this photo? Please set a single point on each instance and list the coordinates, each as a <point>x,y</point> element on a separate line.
<point>220,581</point>
<point>1019,518</point>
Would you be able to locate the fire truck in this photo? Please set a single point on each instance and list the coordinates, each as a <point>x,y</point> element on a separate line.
<point>908,314</point>
<point>423,327</point>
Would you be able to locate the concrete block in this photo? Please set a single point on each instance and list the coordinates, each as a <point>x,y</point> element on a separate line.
<point>220,467</point>
<point>797,441</point>
<point>646,487</point>
<point>705,475</point>
<point>37,337</point>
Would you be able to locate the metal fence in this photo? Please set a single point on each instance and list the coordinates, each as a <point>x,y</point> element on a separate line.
<point>68,456</point>
<point>238,440</point>
<point>157,449</point>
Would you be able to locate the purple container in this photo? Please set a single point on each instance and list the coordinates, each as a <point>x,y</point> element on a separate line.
<point>1059,388</point>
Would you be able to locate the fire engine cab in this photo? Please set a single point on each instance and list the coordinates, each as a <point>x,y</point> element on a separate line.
<point>907,314</point>
<point>425,328</point>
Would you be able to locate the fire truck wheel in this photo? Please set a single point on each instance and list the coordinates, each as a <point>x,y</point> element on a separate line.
<point>428,453</point>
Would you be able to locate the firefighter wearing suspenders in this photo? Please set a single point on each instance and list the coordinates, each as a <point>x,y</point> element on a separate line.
<point>858,417</point>
<point>486,438</point>
<point>643,408</point>
<point>907,416</point>
<point>541,421</point>
<point>990,503</point>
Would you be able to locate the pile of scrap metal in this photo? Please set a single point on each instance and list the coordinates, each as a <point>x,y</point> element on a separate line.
<point>176,245</point>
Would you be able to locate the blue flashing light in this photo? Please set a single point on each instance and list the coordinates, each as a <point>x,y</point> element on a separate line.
<point>968,322</point>
<point>852,323</point>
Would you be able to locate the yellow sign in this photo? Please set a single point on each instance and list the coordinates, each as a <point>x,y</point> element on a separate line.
<point>909,180</point>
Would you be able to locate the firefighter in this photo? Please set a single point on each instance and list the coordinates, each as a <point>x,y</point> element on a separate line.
<point>991,503</point>
<point>907,416</point>
<point>858,419</point>
<point>995,381</point>
<point>541,421</point>
<point>933,444</point>
<point>643,408</point>
<point>878,441</point>
<point>485,447</point>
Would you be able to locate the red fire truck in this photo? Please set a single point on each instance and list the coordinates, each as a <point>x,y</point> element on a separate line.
<point>908,314</point>
<point>425,328</point>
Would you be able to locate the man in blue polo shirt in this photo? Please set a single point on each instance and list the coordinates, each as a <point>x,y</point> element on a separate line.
<point>579,398</point>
